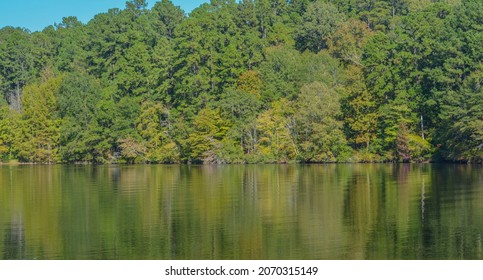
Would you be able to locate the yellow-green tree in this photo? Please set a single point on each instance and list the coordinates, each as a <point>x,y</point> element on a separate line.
<point>154,127</point>
<point>39,129</point>
<point>360,110</point>
<point>275,141</point>
<point>250,82</point>
<point>348,41</point>
<point>206,139</point>
<point>8,126</point>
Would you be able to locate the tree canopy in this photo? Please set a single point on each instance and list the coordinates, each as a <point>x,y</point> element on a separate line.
<point>248,81</point>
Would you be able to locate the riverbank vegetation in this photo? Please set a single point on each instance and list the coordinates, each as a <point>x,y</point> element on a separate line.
<point>246,82</point>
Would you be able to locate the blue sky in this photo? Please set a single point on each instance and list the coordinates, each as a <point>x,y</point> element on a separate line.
<point>35,15</point>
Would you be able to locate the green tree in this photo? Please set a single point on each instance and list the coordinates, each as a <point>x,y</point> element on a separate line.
<point>461,129</point>
<point>17,64</point>
<point>169,17</point>
<point>69,38</point>
<point>400,142</point>
<point>208,55</point>
<point>82,139</point>
<point>319,134</point>
<point>240,108</point>
<point>285,71</point>
<point>376,14</point>
<point>247,81</point>
<point>268,14</point>
<point>319,22</point>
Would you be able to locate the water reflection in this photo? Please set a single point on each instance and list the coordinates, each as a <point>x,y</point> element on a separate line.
<point>241,212</point>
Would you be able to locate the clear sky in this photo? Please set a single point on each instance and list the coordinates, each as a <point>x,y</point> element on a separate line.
<point>35,15</point>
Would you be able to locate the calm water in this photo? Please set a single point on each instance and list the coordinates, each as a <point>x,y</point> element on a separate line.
<point>241,212</point>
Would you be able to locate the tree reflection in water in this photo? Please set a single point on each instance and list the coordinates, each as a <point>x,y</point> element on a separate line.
<point>241,212</point>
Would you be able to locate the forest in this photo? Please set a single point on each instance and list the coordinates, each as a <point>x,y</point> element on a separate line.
<point>250,81</point>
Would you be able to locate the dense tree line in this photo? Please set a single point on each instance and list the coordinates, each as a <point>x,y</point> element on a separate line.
<point>248,81</point>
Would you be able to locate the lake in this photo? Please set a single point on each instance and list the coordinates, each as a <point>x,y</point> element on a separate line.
<point>345,211</point>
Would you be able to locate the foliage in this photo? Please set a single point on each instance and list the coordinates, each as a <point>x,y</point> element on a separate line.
<point>411,147</point>
<point>462,121</point>
<point>9,120</point>
<point>83,139</point>
<point>319,22</point>
<point>154,126</point>
<point>206,138</point>
<point>275,142</point>
<point>247,81</point>
<point>39,128</point>
<point>319,133</point>
<point>348,41</point>
<point>360,110</point>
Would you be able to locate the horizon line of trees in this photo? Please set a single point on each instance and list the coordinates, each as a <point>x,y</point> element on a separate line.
<point>252,81</point>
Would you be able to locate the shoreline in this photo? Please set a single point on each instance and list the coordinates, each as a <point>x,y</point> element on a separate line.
<point>228,164</point>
